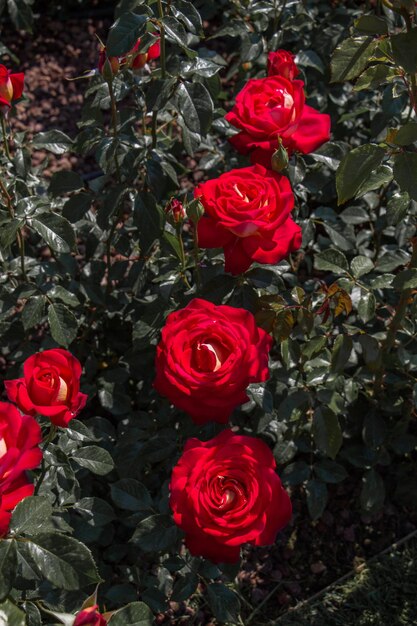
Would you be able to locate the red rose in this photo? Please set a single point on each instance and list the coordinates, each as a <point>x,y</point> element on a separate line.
<point>11,87</point>
<point>247,212</point>
<point>141,58</point>
<point>175,210</point>
<point>225,492</point>
<point>50,386</point>
<point>102,57</point>
<point>19,451</point>
<point>275,106</point>
<point>282,63</point>
<point>206,358</point>
<point>90,617</point>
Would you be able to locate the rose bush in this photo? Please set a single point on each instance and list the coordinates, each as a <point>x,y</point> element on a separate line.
<point>247,212</point>
<point>207,357</point>
<point>225,492</point>
<point>50,386</point>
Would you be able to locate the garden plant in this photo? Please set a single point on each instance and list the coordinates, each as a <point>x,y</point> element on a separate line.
<point>210,341</point>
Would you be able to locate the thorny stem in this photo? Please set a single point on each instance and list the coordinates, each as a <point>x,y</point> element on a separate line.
<point>5,141</point>
<point>51,436</point>
<point>395,325</point>
<point>19,235</point>
<point>196,259</point>
<point>413,81</point>
<point>182,253</point>
<point>119,178</point>
<point>162,36</point>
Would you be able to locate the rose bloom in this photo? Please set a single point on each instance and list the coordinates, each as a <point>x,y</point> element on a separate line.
<point>19,451</point>
<point>282,63</point>
<point>247,212</point>
<point>50,386</point>
<point>90,617</point>
<point>139,59</point>
<point>225,492</point>
<point>207,357</point>
<point>275,106</point>
<point>11,88</point>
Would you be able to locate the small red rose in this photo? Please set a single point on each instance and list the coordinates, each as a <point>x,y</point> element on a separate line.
<point>247,212</point>
<point>282,63</point>
<point>102,57</point>
<point>139,59</point>
<point>207,357</point>
<point>20,436</point>
<point>50,386</point>
<point>224,493</point>
<point>90,617</point>
<point>275,106</point>
<point>11,87</point>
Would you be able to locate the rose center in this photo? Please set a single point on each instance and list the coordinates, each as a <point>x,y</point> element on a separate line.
<point>240,193</point>
<point>228,493</point>
<point>280,99</point>
<point>209,355</point>
<point>3,448</point>
<point>50,380</point>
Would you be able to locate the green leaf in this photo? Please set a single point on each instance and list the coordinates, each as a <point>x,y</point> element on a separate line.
<point>374,430</point>
<point>372,25</point>
<point>397,208</point>
<point>77,206</point>
<point>223,602</point>
<point>21,14</point>
<point>375,76</point>
<point>30,515</point>
<point>95,511</point>
<point>33,312</point>
<point>407,279</point>
<point>188,15</point>
<point>405,168</point>
<point>62,560</point>
<point>63,324</point>
<point>55,141</point>
<point>373,492</point>
<point>134,614</point>
<point>11,615</point>
<point>125,32</point>
<point>8,232</point>
<point>156,533</point>
<point>355,169</point>
<point>175,32</point>
<point>130,495</point>
<point>327,432</point>
<point>351,58</point>
<point>371,351</point>
<point>361,265</point>
<point>329,471</point>
<point>96,459</point>
<point>149,218</point>
<point>296,473</point>
<point>341,352</point>
<point>65,181</point>
<point>331,260</point>
<point>195,105</point>
<point>55,230</point>
<point>406,135</point>
<point>366,306</point>
<point>8,566</point>
<point>317,495</point>
<point>184,587</point>
<point>404,50</point>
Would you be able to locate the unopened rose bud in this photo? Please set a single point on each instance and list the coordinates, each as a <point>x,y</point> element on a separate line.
<point>107,71</point>
<point>279,160</point>
<point>247,66</point>
<point>175,211</point>
<point>195,210</point>
<point>107,66</point>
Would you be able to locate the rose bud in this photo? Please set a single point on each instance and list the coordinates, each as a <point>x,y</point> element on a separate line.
<point>224,493</point>
<point>279,160</point>
<point>20,436</point>
<point>207,357</point>
<point>282,63</point>
<point>50,386</point>
<point>11,88</point>
<point>175,211</point>
<point>107,64</point>
<point>139,59</point>
<point>90,617</point>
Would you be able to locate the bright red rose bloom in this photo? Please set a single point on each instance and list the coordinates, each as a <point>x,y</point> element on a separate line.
<point>225,492</point>
<point>90,617</point>
<point>275,106</point>
<point>207,357</point>
<point>19,451</point>
<point>11,87</point>
<point>282,63</point>
<point>50,386</point>
<point>247,212</point>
